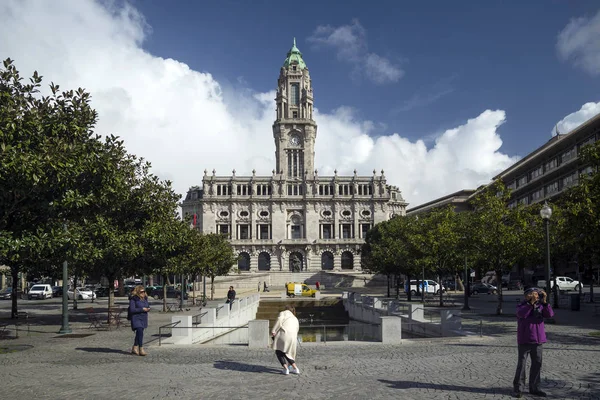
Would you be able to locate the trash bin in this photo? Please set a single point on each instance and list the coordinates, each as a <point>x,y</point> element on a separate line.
<point>575,302</point>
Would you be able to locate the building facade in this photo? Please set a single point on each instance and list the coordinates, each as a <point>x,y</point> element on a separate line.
<point>552,168</point>
<point>294,219</point>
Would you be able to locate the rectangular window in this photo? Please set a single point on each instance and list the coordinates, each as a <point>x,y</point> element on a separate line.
<point>537,195</point>
<point>522,180</point>
<point>223,230</point>
<point>536,173</point>
<point>294,114</point>
<point>263,232</point>
<point>346,231</point>
<point>569,155</point>
<point>244,232</point>
<point>295,94</point>
<point>550,165</point>
<point>364,228</point>
<point>296,231</point>
<point>327,230</point>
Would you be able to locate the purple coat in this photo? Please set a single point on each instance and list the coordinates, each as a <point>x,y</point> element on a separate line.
<point>530,322</point>
<point>139,317</point>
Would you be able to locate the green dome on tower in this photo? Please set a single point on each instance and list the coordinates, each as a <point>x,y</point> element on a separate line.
<point>294,57</point>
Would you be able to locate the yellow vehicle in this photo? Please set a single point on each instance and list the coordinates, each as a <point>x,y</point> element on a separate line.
<point>300,289</point>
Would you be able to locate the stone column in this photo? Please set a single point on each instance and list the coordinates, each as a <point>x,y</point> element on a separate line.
<point>391,330</point>
<point>258,334</point>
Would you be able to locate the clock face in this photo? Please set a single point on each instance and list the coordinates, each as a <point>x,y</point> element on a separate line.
<point>294,140</point>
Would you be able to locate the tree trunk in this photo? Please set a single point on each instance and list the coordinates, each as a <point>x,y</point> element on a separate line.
<point>212,287</point>
<point>398,286</point>
<point>164,288</point>
<point>194,290</point>
<point>408,294</point>
<point>441,289</point>
<point>111,291</point>
<point>388,285</point>
<point>14,271</point>
<point>75,291</point>
<point>500,299</point>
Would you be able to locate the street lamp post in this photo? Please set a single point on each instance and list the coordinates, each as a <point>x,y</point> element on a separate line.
<point>546,213</point>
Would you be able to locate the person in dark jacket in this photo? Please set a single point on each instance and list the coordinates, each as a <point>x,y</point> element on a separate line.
<point>531,335</point>
<point>138,314</point>
<point>230,296</point>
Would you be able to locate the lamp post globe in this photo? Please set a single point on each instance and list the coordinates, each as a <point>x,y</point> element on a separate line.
<point>546,212</point>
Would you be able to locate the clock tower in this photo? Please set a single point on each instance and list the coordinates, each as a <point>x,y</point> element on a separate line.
<point>294,129</point>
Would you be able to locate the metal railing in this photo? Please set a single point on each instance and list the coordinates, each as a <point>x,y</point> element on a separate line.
<point>197,319</point>
<point>168,326</point>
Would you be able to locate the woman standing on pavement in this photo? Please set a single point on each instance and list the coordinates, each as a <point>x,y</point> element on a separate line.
<point>285,339</point>
<point>138,314</point>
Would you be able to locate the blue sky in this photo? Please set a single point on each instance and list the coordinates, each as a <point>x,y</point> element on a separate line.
<point>459,58</point>
<point>442,95</point>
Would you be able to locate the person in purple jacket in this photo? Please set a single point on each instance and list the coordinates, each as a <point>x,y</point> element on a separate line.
<point>531,335</point>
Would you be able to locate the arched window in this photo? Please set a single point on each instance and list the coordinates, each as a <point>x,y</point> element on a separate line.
<point>264,262</point>
<point>327,260</point>
<point>347,260</point>
<point>244,262</point>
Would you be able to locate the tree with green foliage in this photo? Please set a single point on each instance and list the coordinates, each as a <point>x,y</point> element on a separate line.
<point>438,236</point>
<point>215,254</point>
<point>51,166</point>
<point>582,212</point>
<point>501,235</point>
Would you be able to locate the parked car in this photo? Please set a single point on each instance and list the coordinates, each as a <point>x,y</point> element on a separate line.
<point>481,287</point>
<point>562,282</point>
<point>6,293</point>
<point>430,287</point>
<point>151,290</point>
<point>40,291</point>
<point>172,293</point>
<point>57,291</point>
<point>82,294</point>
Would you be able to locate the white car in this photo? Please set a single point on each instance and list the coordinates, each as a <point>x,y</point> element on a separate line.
<point>82,294</point>
<point>430,287</point>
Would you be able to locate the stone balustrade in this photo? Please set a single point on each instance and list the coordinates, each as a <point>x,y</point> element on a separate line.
<point>411,317</point>
<point>214,321</point>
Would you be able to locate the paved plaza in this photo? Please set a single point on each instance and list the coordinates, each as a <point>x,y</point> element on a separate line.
<point>42,365</point>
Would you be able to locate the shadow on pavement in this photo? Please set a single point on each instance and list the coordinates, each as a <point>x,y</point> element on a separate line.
<point>102,350</point>
<point>445,388</point>
<point>236,366</point>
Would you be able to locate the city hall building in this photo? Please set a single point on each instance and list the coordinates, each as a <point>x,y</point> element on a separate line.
<point>294,219</point>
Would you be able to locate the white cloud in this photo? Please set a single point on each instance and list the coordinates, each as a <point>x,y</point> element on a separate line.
<point>184,121</point>
<point>350,44</point>
<point>579,42</point>
<point>573,120</point>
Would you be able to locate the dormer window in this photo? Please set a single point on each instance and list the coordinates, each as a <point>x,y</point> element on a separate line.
<point>293,68</point>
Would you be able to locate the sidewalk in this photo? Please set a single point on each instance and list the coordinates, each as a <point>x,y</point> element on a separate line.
<point>99,366</point>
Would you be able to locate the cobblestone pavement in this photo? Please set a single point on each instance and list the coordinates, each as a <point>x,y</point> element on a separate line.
<point>42,365</point>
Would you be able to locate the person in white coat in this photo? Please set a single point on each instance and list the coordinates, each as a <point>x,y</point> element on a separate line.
<point>285,339</point>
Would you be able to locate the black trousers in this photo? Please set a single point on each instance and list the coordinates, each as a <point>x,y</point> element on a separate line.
<point>535,351</point>
<point>283,359</point>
